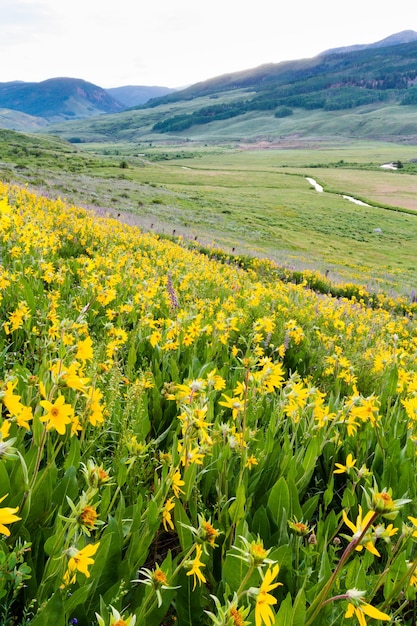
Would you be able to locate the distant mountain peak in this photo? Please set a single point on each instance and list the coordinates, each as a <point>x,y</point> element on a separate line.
<point>405,36</point>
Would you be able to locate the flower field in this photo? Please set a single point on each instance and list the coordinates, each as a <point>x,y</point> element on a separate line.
<point>190,439</point>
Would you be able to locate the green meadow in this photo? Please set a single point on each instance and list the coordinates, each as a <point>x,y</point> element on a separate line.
<point>256,200</point>
<point>208,384</point>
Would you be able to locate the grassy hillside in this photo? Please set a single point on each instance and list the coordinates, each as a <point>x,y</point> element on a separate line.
<point>367,93</point>
<point>386,122</point>
<point>246,201</point>
<point>57,98</point>
<point>185,436</point>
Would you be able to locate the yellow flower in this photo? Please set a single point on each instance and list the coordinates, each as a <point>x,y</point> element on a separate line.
<point>365,609</point>
<point>24,417</point>
<point>341,469</point>
<point>299,528</point>
<point>75,426</point>
<point>79,561</point>
<point>263,612</point>
<point>74,380</point>
<point>156,578</point>
<point>383,504</point>
<point>177,483</point>
<point>88,517</point>
<point>232,403</point>
<point>5,429</point>
<point>58,414</point>
<point>251,462</point>
<point>209,533</point>
<point>196,566</point>
<point>10,401</point>
<point>359,528</point>
<point>190,456</point>
<point>166,515</point>
<point>95,414</point>
<point>413,520</point>
<point>85,350</point>
<point>7,516</point>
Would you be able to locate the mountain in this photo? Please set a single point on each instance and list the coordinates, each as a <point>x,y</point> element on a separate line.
<point>58,99</point>
<point>372,66</point>
<point>374,75</point>
<point>366,93</point>
<point>133,95</point>
<point>405,36</point>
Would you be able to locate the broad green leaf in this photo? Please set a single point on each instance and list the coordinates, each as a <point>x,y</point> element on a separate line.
<point>279,499</point>
<point>284,617</point>
<point>181,520</point>
<point>52,612</point>
<point>299,609</point>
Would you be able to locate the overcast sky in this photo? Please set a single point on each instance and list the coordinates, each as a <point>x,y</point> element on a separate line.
<point>174,43</point>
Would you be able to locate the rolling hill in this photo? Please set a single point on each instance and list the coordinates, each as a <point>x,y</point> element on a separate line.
<point>370,92</point>
<point>57,98</point>
<point>134,95</point>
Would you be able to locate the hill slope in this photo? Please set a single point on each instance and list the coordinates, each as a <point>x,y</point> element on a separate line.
<point>58,98</point>
<point>345,91</point>
<point>134,95</point>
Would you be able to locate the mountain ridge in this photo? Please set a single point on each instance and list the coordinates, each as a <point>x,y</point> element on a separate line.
<point>404,36</point>
<point>382,74</point>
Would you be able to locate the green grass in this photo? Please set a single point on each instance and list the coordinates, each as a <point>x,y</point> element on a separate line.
<point>387,122</point>
<point>246,201</point>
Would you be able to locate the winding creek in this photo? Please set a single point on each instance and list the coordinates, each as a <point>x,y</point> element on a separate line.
<point>320,189</point>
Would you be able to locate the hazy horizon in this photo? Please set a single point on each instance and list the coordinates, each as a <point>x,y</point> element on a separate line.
<point>178,43</point>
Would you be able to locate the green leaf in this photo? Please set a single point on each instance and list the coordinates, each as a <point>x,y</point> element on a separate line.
<point>67,486</point>
<point>279,499</point>
<point>189,480</point>
<point>237,508</point>
<point>4,479</point>
<point>79,596</point>
<point>309,507</point>
<point>184,534</point>
<point>73,455</point>
<point>284,616</point>
<point>141,540</point>
<point>308,465</point>
<point>51,613</point>
<point>189,603</point>
<point>295,508</point>
<point>234,571</point>
<point>325,567</point>
<point>260,524</point>
<point>328,494</point>
<point>299,609</point>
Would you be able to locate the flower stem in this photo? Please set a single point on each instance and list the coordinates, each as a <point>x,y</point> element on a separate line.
<point>316,606</point>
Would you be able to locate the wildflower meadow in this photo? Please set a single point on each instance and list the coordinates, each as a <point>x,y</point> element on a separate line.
<point>190,439</point>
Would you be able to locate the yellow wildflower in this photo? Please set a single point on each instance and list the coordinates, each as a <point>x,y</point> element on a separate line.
<point>79,561</point>
<point>196,566</point>
<point>58,414</point>
<point>365,609</point>
<point>251,462</point>
<point>177,483</point>
<point>362,524</point>
<point>7,516</point>
<point>166,514</point>
<point>235,404</point>
<point>341,469</point>
<point>264,601</point>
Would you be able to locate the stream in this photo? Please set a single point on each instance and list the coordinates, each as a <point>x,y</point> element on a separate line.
<point>319,188</point>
